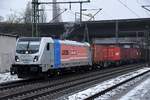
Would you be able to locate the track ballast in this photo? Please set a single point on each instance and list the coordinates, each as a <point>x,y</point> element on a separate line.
<point>53,88</point>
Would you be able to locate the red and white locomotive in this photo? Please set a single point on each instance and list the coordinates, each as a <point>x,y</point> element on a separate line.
<point>38,55</point>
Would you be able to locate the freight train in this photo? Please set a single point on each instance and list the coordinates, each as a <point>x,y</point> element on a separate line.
<point>36,56</point>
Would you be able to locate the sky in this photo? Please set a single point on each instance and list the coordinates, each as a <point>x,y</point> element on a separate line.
<point>111,9</point>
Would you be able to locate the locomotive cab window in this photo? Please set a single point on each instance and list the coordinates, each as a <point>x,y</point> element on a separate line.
<point>48,46</point>
<point>30,45</point>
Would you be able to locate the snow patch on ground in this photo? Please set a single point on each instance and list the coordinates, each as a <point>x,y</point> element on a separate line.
<point>139,92</point>
<point>6,77</point>
<point>117,91</point>
<point>104,85</point>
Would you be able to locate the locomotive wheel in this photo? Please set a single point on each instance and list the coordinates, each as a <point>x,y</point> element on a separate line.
<point>105,64</point>
<point>98,66</point>
<point>90,68</point>
<point>12,72</point>
<point>58,73</point>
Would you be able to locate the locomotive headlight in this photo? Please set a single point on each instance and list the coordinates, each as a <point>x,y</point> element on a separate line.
<point>17,59</point>
<point>35,59</point>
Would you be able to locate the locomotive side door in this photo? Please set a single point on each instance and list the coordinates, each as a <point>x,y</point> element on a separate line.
<point>47,53</point>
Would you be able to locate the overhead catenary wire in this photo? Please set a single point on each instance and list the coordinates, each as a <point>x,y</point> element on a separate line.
<point>58,15</point>
<point>128,8</point>
<point>73,13</point>
<point>146,9</point>
<point>147,13</point>
<point>95,14</point>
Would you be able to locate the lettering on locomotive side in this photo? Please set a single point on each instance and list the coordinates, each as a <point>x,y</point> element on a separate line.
<point>65,52</point>
<point>73,52</point>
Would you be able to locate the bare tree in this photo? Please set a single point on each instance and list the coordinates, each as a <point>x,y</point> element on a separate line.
<point>26,16</point>
<point>14,18</point>
<point>42,14</point>
<point>28,13</point>
<point>1,18</point>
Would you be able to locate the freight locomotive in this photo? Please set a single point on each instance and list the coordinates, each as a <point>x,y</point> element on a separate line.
<point>36,56</point>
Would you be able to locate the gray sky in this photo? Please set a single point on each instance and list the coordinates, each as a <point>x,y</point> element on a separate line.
<point>111,9</point>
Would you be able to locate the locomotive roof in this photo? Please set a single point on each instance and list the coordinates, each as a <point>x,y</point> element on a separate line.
<point>74,43</point>
<point>30,39</point>
<point>70,42</point>
<point>115,40</point>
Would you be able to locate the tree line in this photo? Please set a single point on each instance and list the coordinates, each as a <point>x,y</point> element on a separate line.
<point>25,16</point>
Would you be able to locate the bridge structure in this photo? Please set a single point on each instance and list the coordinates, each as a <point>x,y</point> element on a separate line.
<point>95,29</point>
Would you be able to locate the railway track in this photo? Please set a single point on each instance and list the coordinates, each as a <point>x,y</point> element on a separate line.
<point>8,85</point>
<point>13,84</point>
<point>52,88</point>
<point>92,97</point>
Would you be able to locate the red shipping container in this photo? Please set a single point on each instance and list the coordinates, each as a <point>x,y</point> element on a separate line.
<point>102,53</point>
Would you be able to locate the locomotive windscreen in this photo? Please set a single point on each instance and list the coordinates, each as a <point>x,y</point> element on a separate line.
<point>28,45</point>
